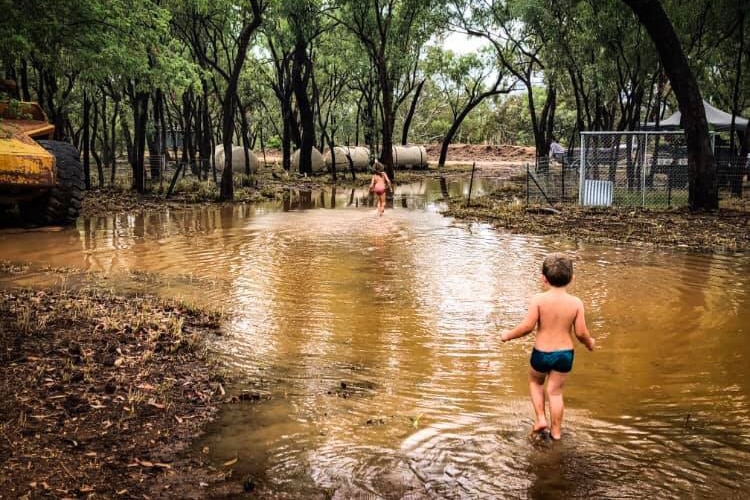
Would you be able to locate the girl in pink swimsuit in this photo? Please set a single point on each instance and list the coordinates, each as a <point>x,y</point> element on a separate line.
<point>378,185</point>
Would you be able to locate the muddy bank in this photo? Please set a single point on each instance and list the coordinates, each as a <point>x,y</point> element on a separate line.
<point>101,394</point>
<point>722,231</point>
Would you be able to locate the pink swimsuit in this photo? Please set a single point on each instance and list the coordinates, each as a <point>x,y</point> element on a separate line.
<point>379,188</point>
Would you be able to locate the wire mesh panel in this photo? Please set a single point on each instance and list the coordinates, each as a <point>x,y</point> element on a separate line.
<point>552,181</point>
<point>646,169</point>
<point>733,173</point>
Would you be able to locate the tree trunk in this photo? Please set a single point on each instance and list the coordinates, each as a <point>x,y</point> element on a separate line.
<point>547,119</point>
<point>113,138</point>
<point>87,139</point>
<point>286,139</point>
<point>703,189</point>
<point>206,146</point>
<point>454,128</point>
<point>226,193</point>
<point>736,165</point>
<point>156,140</point>
<point>128,138</point>
<point>200,105</point>
<point>331,145</point>
<point>300,77</point>
<point>105,129</point>
<point>187,126</point>
<point>25,94</point>
<point>386,154</point>
<point>97,158</point>
<point>245,133</point>
<point>139,140</point>
<point>410,114</point>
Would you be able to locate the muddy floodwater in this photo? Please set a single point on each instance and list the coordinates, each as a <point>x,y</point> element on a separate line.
<point>372,345</point>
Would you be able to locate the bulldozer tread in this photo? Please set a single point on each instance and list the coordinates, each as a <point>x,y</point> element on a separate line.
<point>63,202</point>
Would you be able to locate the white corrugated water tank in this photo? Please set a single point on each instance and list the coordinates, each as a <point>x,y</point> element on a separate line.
<point>238,159</point>
<point>360,157</point>
<point>409,156</point>
<point>317,160</point>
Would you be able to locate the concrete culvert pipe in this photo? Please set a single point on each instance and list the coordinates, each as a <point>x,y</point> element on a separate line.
<point>238,159</point>
<point>410,156</point>
<point>318,163</point>
<point>360,157</point>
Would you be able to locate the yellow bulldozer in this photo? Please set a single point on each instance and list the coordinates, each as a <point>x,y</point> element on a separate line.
<point>44,178</point>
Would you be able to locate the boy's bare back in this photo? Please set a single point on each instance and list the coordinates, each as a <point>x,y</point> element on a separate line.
<point>558,315</point>
<point>555,314</point>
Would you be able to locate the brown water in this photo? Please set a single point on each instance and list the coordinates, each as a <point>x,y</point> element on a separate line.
<point>374,343</point>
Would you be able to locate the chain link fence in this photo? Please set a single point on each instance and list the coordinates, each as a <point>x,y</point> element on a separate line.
<point>552,180</point>
<point>631,169</point>
<point>646,169</point>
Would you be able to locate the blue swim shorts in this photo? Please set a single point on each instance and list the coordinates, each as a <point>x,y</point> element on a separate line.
<point>559,361</point>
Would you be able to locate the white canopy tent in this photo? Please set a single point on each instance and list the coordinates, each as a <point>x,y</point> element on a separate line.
<point>718,120</point>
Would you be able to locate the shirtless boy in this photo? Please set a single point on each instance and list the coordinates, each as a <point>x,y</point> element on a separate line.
<point>554,313</point>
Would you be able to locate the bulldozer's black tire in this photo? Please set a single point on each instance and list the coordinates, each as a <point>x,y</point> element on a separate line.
<point>62,204</point>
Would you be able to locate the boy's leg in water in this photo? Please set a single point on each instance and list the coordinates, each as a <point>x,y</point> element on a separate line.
<point>536,388</point>
<point>556,406</point>
<point>381,203</point>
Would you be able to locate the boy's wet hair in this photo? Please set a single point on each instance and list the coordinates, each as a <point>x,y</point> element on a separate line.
<point>558,269</point>
<point>378,167</point>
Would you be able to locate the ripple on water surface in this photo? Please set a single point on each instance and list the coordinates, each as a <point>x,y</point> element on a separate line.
<point>374,342</point>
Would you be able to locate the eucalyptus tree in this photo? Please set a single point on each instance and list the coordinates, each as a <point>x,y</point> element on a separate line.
<point>293,28</point>
<point>250,19</point>
<point>40,46</point>
<point>336,66</point>
<point>219,34</point>
<point>205,30</point>
<point>719,53</point>
<point>730,72</point>
<point>140,58</point>
<point>703,188</point>
<point>599,49</point>
<point>278,74</point>
<point>518,49</point>
<point>392,33</point>
<point>464,82</point>
<point>307,23</point>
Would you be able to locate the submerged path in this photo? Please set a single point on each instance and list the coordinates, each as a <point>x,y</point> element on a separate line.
<point>372,344</point>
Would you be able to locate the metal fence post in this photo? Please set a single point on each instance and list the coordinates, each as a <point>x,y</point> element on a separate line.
<point>643,175</point>
<point>582,167</point>
<point>527,184</point>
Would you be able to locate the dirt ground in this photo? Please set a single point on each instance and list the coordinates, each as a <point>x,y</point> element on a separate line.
<point>719,231</point>
<point>484,155</point>
<point>101,395</point>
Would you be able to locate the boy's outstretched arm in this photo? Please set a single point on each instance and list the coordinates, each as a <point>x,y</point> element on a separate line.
<point>526,326</point>
<point>581,331</point>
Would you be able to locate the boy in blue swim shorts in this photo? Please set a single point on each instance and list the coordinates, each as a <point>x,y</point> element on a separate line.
<point>555,314</point>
